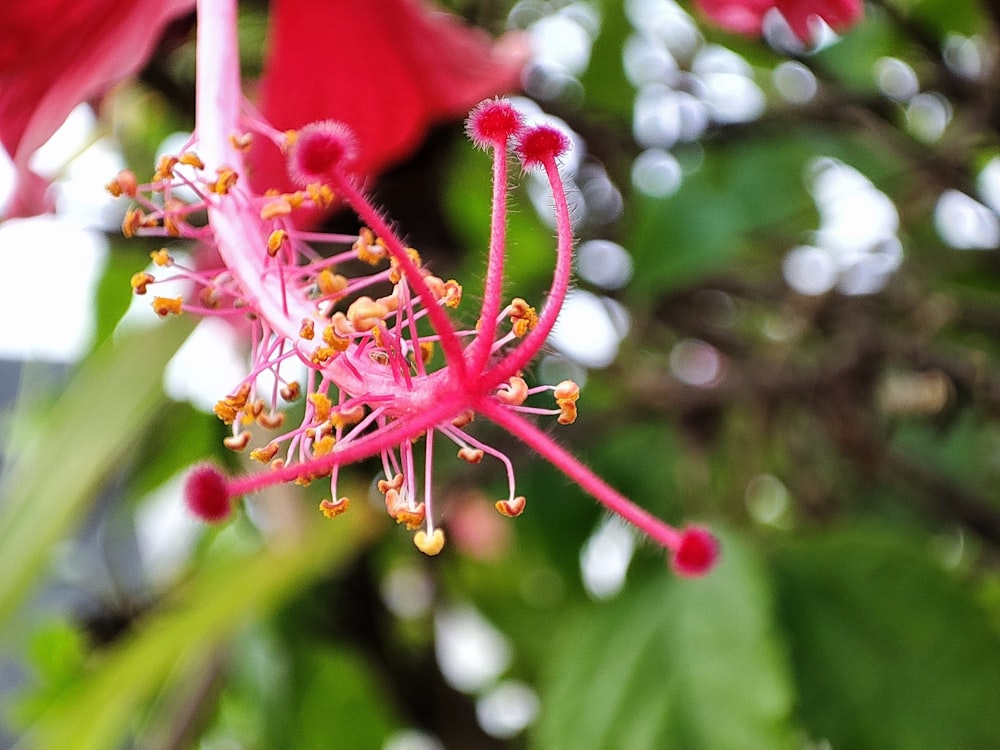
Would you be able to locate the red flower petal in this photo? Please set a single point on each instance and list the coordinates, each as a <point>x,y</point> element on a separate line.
<point>55,54</point>
<point>388,70</point>
<point>747,16</point>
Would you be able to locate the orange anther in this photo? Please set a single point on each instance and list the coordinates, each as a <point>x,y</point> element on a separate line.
<point>308,329</point>
<point>334,341</point>
<point>164,306</point>
<point>396,274</point>
<point>368,250</point>
<point>322,354</point>
<point>514,393</point>
<point>330,283</point>
<point>274,209</point>
<point>511,508</point>
<point>321,406</point>
<point>275,240</point>
<point>333,509</point>
<point>566,390</point>
<point>140,281</point>
<point>264,454</point>
<point>124,183</point>
<point>290,392</point>
<point>323,446</point>
<point>365,313</point>
<point>161,257</point>
<point>165,168</point>
<point>523,317</point>
<point>237,442</point>
<point>271,420</point>
<point>341,418</point>
<point>396,483</point>
<point>241,142</point>
<point>191,159</point>
<point>472,455</point>
<point>463,419</point>
<point>431,545</point>
<point>225,180</point>
<point>567,412</point>
<point>133,220</point>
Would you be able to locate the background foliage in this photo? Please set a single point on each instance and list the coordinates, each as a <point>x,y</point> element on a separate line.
<point>848,452</point>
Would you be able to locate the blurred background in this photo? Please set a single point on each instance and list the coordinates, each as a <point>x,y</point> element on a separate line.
<point>785,323</point>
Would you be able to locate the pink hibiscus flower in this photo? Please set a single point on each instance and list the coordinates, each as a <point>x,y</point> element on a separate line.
<point>747,16</point>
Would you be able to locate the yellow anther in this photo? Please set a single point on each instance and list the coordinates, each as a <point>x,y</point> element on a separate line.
<point>397,508</point>
<point>396,483</point>
<point>567,412</point>
<point>333,341</point>
<point>452,293</point>
<point>365,313</point>
<point>165,168</point>
<point>322,354</point>
<point>191,159</point>
<point>523,317</point>
<point>275,240</point>
<point>291,136</point>
<point>308,329</point>
<point>124,183</point>
<point>472,455</point>
<point>367,249</point>
<point>426,351</point>
<point>226,178</point>
<point>264,454</point>
<point>429,545</point>
<point>237,442</point>
<point>140,281</point>
<point>296,199</point>
<point>134,218</point>
<point>333,509</point>
<point>321,195</point>
<point>341,418</point>
<point>321,406</point>
<point>514,393</point>
<point>164,306</point>
<point>511,508</point>
<point>274,209</point>
<point>228,408</point>
<point>241,142</point>
<point>330,283</point>
<point>323,446</point>
<point>161,257</point>
<point>567,393</point>
<point>396,274</point>
<point>566,390</point>
<point>290,392</point>
<point>271,420</point>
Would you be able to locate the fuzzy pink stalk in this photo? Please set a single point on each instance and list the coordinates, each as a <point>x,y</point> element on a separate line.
<point>375,387</point>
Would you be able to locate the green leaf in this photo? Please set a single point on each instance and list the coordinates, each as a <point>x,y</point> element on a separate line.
<point>97,713</point>
<point>674,664</point>
<point>58,467</point>
<point>889,649</point>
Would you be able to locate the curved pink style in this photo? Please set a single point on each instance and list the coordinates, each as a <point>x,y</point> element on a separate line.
<point>387,69</point>
<point>747,16</point>
<point>55,54</point>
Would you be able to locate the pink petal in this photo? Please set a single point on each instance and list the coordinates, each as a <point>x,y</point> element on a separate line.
<point>388,69</point>
<point>55,54</point>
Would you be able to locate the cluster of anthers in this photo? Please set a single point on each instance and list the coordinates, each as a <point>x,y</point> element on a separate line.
<point>388,370</point>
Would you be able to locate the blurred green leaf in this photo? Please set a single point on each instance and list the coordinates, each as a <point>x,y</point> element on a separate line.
<point>889,649</point>
<point>685,664</point>
<point>57,469</point>
<point>229,589</point>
